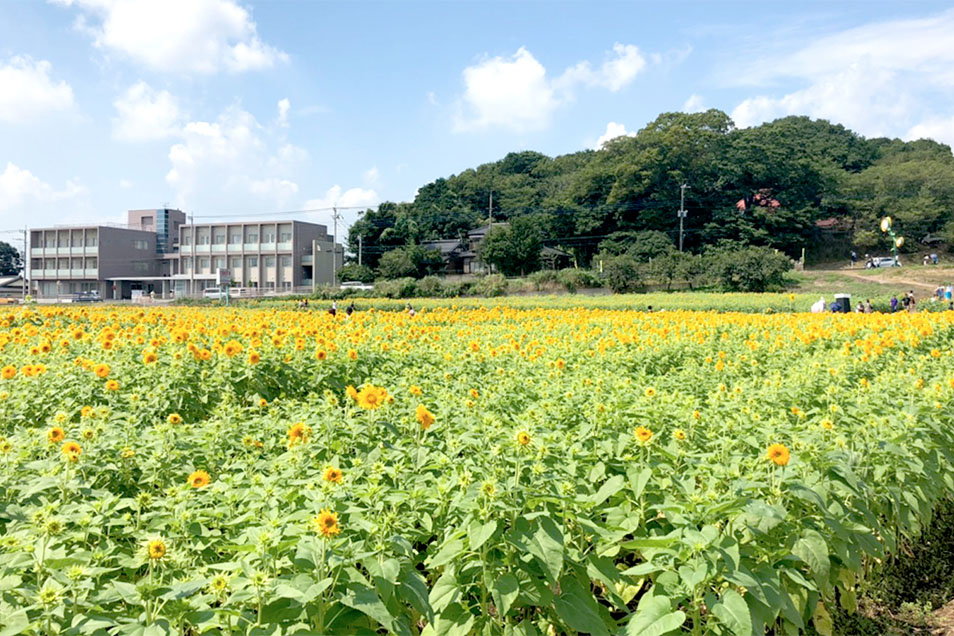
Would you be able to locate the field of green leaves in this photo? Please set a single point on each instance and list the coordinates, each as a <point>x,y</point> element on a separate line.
<point>492,471</point>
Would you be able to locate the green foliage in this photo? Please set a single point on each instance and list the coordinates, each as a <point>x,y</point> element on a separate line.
<point>491,285</point>
<point>10,260</point>
<point>643,245</point>
<point>750,269</point>
<point>355,272</point>
<point>620,273</point>
<point>411,261</point>
<point>514,249</point>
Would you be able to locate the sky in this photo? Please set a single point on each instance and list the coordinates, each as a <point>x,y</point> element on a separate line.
<point>239,109</point>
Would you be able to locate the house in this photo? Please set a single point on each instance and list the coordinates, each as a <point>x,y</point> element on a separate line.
<point>555,258</point>
<point>11,286</point>
<point>451,251</point>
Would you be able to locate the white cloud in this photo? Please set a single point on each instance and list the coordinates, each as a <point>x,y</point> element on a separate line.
<point>335,196</point>
<point>371,176</point>
<point>938,128</point>
<point>22,191</point>
<point>693,104</point>
<point>273,188</point>
<point>615,73</point>
<point>283,107</point>
<point>515,92</point>
<point>884,78</point>
<point>183,36</point>
<point>28,92</point>
<point>221,163</point>
<point>613,130</point>
<point>146,114</point>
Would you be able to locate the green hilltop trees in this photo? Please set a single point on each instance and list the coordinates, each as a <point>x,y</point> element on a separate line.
<point>763,186</point>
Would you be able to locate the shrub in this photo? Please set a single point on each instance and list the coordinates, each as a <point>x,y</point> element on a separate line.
<point>573,279</point>
<point>620,273</point>
<point>752,269</point>
<point>429,286</point>
<point>353,271</point>
<point>491,285</point>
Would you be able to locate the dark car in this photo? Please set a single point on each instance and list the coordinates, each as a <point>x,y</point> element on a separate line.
<point>87,297</point>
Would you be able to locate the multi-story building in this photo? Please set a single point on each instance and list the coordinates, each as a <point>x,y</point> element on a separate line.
<point>158,252</point>
<point>278,255</point>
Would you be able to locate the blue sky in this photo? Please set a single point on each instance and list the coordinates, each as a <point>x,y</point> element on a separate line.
<point>228,107</point>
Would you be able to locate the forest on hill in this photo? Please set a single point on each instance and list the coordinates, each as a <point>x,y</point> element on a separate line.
<point>789,184</point>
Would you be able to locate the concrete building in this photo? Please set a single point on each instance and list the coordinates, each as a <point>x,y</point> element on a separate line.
<point>158,252</point>
<point>100,258</point>
<point>272,255</point>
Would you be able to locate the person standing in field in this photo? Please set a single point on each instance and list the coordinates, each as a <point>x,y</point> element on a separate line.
<point>911,301</point>
<point>894,304</point>
<point>853,258</point>
<point>868,308</point>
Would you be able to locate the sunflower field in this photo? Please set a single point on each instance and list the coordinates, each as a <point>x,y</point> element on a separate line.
<point>492,471</point>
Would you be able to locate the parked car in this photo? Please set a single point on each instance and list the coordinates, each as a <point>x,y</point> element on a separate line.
<point>356,284</point>
<point>212,292</point>
<point>930,239</point>
<point>883,261</point>
<point>86,297</point>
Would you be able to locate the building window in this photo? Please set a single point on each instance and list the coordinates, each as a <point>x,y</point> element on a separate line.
<point>218,262</point>
<point>204,266</point>
<point>140,266</point>
<point>286,260</point>
<point>235,238</point>
<point>218,239</point>
<point>187,238</point>
<point>141,245</point>
<point>90,239</point>
<point>285,237</point>
<point>251,237</point>
<point>269,261</point>
<point>252,261</point>
<point>90,263</point>
<point>186,265</point>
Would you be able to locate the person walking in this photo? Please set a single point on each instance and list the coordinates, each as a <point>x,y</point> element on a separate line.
<point>351,309</point>
<point>868,308</point>
<point>853,258</point>
<point>894,303</point>
<point>911,302</point>
<point>334,308</point>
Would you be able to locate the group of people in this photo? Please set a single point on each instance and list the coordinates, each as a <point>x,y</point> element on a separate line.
<point>350,309</point>
<point>907,303</point>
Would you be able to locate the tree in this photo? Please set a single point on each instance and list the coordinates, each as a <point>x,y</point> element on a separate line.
<point>10,261</point>
<point>353,271</point>
<point>513,249</point>
<point>411,261</point>
<point>752,269</point>
<point>620,273</point>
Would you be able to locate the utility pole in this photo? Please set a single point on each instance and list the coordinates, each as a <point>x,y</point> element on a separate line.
<point>26,263</point>
<point>490,209</point>
<point>682,211</point>
<point>334,247</point>
<point>192,258</point>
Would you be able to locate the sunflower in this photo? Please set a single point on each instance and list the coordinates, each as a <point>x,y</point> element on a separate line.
<point>679,434</point>
<point>372,397</point>
<point>415,390</point>
<point>9,372</point>
<point>101,369</point>
<point>149,357</point>
<point>650,392</point>
<point>174,418</point>
<point>156,549</point>
<point>351,392</point>
<point>233,348</point>
<point>112,385</point>
<point>643,434</point>
<point>298,433</point>
<point>326,523</point>
<point>523,438</point>
<point>320,354</point>
<point>333,475</point>
<point>71,451</point>
<point>474,393</point>
<point>88,433</point>
<point>5,446</point>
<point>254,357</point>
<point>199,479</point>
<point>778,453</point>
<point>352,354</point>
<point>425,417</point>
<point>56,435</point>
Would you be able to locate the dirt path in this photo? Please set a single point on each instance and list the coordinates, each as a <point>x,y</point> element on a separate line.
<point>885,280</point>
<point>943,620</point>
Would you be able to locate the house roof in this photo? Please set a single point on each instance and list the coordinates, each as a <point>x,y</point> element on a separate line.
<point>444,246</point>
<point>553,252</point>
<point>6,281</point>
<point>482,230</point>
